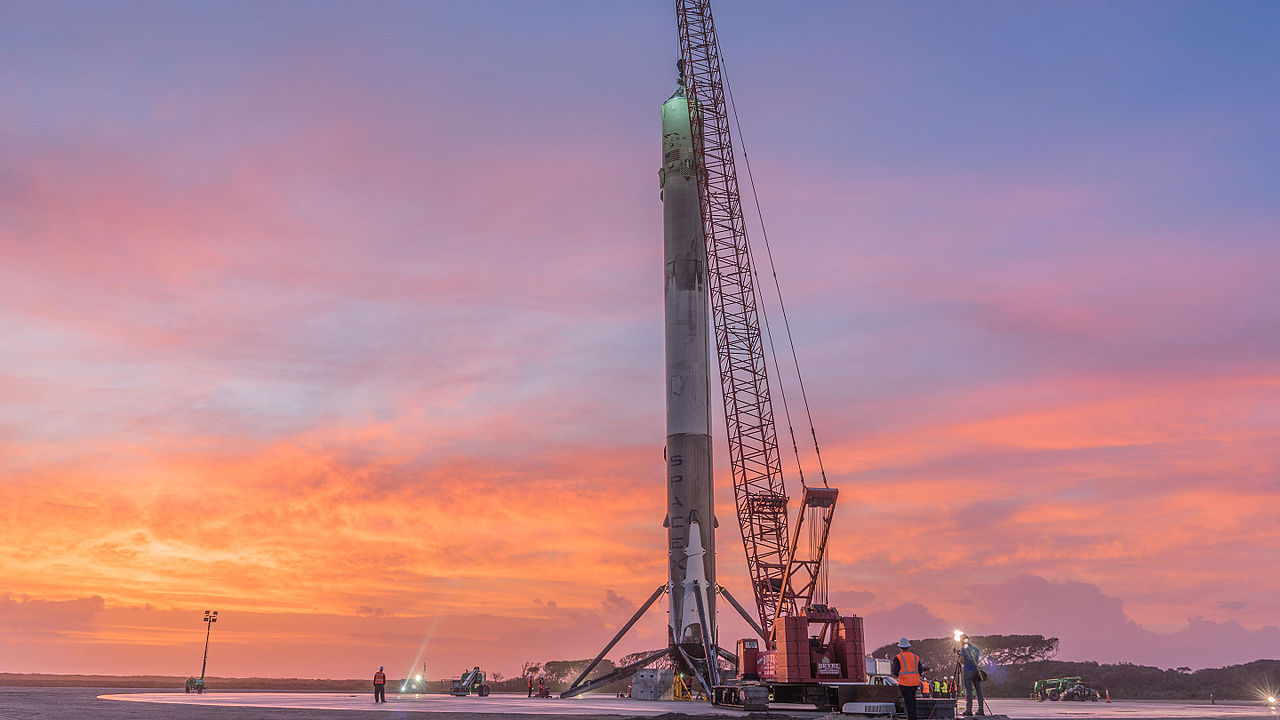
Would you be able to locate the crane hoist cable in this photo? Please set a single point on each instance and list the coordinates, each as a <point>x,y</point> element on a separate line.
<point>764,232</point>
<point>764,308</point>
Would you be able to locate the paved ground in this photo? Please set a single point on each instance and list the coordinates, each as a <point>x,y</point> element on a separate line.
<point>1130,710</point>
<point>497,705</point>
<point>121,704</point>
<point>30,703</point>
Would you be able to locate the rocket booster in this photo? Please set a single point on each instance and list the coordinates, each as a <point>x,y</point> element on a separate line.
<point>691,518</point>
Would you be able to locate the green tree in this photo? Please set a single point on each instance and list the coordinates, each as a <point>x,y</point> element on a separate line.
<point>939,654</point>
<point>563,672</point>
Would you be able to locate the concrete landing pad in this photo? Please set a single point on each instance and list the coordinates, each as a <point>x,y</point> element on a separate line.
<point>1130,710</point>
<point>504,704</point>
<point>497,704</point>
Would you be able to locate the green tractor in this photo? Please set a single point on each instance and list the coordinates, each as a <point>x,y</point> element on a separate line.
<point>1052,688</point>
<point>1067,688</point>
<point>472,681</point>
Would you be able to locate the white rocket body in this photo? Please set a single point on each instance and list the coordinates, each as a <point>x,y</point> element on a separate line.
<point>691,518</point>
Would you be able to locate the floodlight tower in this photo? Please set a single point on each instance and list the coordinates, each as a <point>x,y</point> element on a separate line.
<point>210,617</point>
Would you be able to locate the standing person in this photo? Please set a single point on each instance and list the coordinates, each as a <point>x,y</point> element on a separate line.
<point>972,676</point>
<point>906,666</point>
<point>530,679</point>
<point>379,686</point>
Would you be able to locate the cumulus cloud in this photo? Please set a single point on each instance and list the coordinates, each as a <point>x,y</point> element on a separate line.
<point>1094,626</point>
<point>910,619</point>
<point>25,617</point>
<point>614,602</point>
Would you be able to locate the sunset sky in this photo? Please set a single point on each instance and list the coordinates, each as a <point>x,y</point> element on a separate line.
<point>345,319</point>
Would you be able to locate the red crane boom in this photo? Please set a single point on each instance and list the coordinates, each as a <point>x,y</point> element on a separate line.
<point>758,485</point>
<point>753,443</point>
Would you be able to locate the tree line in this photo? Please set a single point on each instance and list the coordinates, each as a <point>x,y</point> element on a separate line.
<point>1015,662</point>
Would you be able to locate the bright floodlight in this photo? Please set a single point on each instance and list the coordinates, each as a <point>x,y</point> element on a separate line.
<point>958,635</point>
<point>418,678</point>
<point>1271,699</point>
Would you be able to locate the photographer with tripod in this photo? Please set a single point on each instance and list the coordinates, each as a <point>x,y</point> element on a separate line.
<point>967,667</point>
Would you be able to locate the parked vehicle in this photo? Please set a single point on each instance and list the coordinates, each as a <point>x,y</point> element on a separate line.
<point>1067,688</point>
<point>471,682</point>
<point>1052,688</point>
<point>1081,692</point>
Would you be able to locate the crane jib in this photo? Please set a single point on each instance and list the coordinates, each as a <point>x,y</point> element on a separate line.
<point>759,489</point>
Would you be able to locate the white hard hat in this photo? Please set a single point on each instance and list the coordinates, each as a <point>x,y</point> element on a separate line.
<point>904,643</point>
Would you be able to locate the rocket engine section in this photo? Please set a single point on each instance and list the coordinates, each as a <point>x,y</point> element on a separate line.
<point>691,518</point>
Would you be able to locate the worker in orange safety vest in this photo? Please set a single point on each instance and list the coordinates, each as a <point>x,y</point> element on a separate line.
<point>380,686</point>
<point>906,667</point>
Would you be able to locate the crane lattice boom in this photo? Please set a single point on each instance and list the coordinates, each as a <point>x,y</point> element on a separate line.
<point>753,444</point>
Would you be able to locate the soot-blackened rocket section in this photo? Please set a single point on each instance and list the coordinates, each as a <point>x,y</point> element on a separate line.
<point>690,514</point>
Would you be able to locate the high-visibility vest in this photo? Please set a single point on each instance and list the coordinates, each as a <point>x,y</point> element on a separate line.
<point>908,668</point>
<point>379,678</point>
<point>924,688</point>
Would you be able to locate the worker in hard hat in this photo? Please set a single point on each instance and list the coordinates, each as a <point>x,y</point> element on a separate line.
<point>530,679</point>
<point>906,667</point>
<point>380,685</point>
<point>972,676</point>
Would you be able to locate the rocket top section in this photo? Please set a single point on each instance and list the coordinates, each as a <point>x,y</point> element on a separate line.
<point>677,139</point>
<point>686,297</point>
